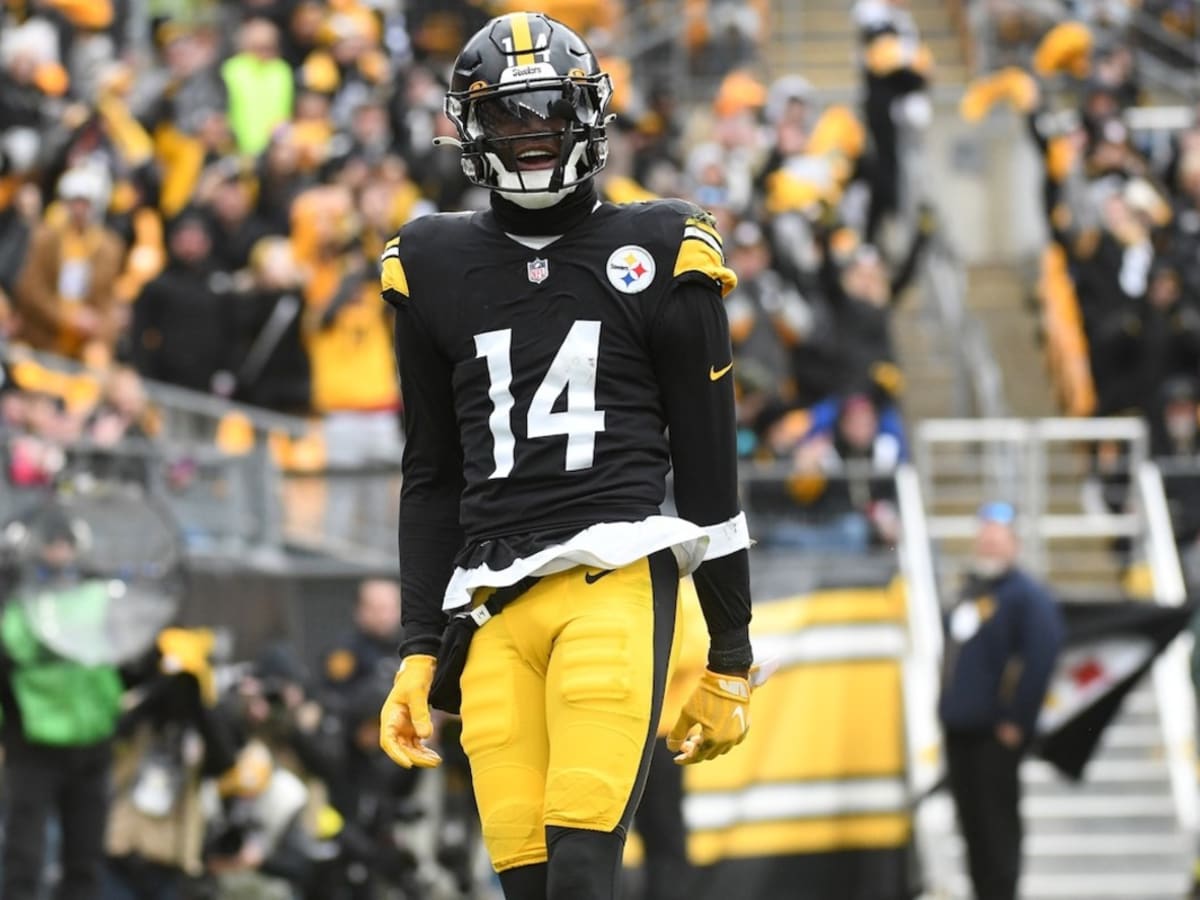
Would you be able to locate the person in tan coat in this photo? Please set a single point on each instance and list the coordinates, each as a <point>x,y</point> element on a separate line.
<point>65,298</point>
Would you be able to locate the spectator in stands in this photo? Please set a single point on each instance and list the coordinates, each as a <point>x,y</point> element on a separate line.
<point>1175,444</point>
<point>183,322</point>
<point>359,655</point>
<point>184,104</point>
<point>1002,639</point>
<point>32,85</point>
<point>896,70</point>
<point>260,86</point>
<point>227,194</point>
<point>348,335</point>
<point>1155,341</point>
<point>779,340</point>
<point>843,476</point>
<point>120,422</point>
<point>280,181</point>
<point>272,368</point>
<point>65,297</point>
<point>862,293</point>
<point>17,223</point>
<point>122,413</point>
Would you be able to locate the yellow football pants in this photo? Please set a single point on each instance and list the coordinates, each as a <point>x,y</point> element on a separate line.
<point>561,694</point>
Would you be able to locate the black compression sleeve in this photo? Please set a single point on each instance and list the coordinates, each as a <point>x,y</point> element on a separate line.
<point>692,352</point>
<point>430,535</point>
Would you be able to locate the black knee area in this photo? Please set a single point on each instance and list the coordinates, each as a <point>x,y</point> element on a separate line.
<point>524,882</point>
<point>584,865</point>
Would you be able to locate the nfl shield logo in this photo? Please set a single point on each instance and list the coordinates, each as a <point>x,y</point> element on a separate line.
<point>539,271</point>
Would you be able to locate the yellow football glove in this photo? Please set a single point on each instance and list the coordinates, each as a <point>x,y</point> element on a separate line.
<point>714,720</point>
<point>404,722</point>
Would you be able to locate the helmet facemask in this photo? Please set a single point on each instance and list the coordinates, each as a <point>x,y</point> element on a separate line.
<point>536,140</point>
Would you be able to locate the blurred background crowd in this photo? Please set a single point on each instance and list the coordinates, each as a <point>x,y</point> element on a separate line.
<point>197,194</point>
<point>194,195</point>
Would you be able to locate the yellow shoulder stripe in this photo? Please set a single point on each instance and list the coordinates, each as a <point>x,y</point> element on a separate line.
<point>392,277</point>
<point>696,255</point>
<point>706,227</point>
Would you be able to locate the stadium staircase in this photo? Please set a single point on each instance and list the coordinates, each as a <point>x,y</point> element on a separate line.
<point>816,39</point>
<point>1116,834</point>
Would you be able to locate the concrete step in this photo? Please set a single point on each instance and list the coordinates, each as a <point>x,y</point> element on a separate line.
<point>997,297</point>
<point>1130,886</point>
<point>1040,775</point>
<point>933,23</point>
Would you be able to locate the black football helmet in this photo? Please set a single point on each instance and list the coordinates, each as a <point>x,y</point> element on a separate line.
<point>529,99</point>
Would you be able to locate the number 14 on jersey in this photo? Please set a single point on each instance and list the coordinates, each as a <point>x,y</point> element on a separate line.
<point>573,370</point>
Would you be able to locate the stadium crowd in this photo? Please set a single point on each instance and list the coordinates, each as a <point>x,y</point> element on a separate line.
<point>199,196</point>
<point>1118,287</point>
<point>196,193</point>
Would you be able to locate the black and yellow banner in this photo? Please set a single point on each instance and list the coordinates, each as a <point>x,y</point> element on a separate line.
<point>814,804</point>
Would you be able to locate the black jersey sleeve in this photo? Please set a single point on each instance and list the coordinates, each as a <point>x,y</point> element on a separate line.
<point>430,534</point>
<point>693,358</point>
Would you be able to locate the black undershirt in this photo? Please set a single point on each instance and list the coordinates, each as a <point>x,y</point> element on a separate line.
<point>560,218</point>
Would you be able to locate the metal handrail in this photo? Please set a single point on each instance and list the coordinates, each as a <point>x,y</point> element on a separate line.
<point>943,279</point>
<point>1023,445</point>
<point>172,397</point>
<point>1172,674</point>
<point>921,668</point>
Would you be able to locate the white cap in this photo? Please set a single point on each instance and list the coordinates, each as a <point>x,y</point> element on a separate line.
<point>85,183</point>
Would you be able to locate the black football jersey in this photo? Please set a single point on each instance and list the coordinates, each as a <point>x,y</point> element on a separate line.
<point>558,410</point>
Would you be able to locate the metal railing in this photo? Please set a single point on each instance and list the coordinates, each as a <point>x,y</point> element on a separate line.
<point>932,818</point>
<point>186,413</point>
<point>962,462</point>
<point>979,387</point>
<point>1172,672</point>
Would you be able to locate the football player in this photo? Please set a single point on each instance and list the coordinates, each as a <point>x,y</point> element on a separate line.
<point>558,356</point>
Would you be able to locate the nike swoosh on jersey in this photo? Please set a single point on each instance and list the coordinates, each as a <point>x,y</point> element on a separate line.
<point>715,374</point>
<point>593,577</point>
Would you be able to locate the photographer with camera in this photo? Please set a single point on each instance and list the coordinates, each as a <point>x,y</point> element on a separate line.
<point>170,738</point>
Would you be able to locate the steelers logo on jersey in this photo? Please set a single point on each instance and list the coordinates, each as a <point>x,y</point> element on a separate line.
<point>630,269</point>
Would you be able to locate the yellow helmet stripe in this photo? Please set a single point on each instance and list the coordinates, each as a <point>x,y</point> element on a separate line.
<point>522,39</point>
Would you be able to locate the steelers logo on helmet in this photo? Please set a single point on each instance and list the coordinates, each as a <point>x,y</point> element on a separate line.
<point>528,99</point>
<point>630,269</point>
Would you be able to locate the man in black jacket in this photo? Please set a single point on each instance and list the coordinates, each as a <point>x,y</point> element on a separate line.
<point>1002,640</point>
<point>183,319</point>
